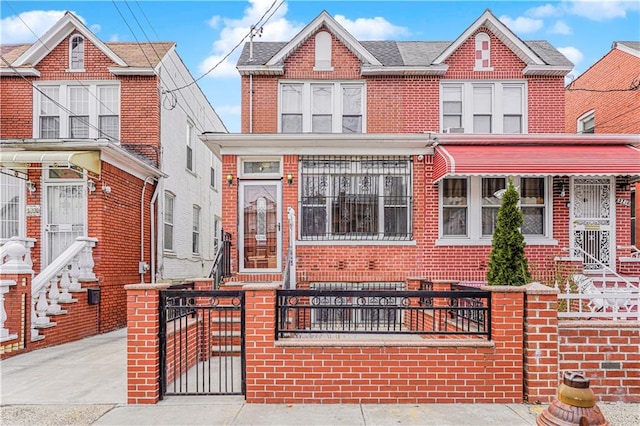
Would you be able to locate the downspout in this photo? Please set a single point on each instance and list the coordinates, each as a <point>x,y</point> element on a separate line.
<point>153,232</point>
<point>142,265</point>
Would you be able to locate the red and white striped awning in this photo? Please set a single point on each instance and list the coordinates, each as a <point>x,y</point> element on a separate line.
<point>535,160</point>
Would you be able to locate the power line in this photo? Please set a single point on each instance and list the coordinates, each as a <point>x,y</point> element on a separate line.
<point>237,45</point>
<point>635,84</point>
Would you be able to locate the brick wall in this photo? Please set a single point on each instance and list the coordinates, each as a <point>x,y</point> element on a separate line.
<point>607,352</point>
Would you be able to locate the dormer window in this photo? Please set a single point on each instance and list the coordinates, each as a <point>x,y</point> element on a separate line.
<point>483,53</point>
<point>323,52</point>
<point>76,53</point>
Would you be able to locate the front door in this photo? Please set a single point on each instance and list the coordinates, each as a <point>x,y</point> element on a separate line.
<point>260,236</point>
<point>593,222</point>
<point>65,214</point>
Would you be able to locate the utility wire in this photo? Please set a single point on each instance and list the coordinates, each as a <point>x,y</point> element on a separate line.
<point>635,84</point>
<point>237,45</point>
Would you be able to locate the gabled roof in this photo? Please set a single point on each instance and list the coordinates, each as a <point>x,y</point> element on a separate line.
<point>324,19</point>
<point>130,58</point>
<point>406,57</point>
<point>60,30</point>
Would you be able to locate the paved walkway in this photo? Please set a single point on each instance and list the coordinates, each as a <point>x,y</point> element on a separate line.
<point>84,383</point>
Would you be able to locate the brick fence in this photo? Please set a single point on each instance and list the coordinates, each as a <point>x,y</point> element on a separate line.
<point>523,361</point>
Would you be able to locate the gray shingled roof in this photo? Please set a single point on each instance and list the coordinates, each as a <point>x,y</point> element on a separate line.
<point>400,53</point>
<point>631,44</point>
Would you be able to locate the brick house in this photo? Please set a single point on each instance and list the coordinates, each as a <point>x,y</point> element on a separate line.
<point>605,99</point>
<point>387,159</point>
<point>99,145</point>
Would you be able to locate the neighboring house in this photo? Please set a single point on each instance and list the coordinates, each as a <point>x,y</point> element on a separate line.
<point>392,156</point>
<point>606,99</point>
<point>99,140</point>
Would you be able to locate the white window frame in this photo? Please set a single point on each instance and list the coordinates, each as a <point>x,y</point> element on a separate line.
<point>497,109</point>
<point>169,223</point>
<point>480,37</point>
<point>189,148</point>
<point>73,54</point>
<point>195,230</point>
<point>337,103</point>
<point>64,108</point>
<point>474,214</point>
<point>259,175</point>
<point>584,119</point>
<point>19,188</point>
<point>323,52</point>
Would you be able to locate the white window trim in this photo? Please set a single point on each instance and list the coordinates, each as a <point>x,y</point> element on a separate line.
<point>64,100</point>
<point>22,200</point>
<point>474,235</point>
<point>198,232</point>
<point>243,175</point>
<point>584,118</point>
<point>191,146</point>
<point>496,107</point>
<point>171,195</point>
<point>480,36</point>
<point>337,103</point>
<point>320,38</point>
<point>84,46</point>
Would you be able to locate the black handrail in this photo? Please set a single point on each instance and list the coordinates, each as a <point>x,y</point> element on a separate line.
<point>221,267</point>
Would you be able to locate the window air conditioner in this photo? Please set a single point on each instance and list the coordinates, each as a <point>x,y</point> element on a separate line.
<point>454,130</point>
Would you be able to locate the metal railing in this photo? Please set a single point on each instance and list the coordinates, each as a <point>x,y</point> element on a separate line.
<point>604,268</point>
<point>221,267</point>
<point>181,304</point>
<point>306,312</point>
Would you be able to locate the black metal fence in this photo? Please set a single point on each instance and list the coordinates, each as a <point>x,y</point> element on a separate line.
<point>306,312</point>
<point>201,342</point>
<point>221,267</point>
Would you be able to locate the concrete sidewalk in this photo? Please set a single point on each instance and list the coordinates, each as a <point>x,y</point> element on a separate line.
<point>84,383</point>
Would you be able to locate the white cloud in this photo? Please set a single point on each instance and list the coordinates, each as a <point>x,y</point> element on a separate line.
<point>560,27</point>
<point>521,24</point>
<point>28,26</point>
<point>601,10</point>
<point>371,28</point>
<point>572,53</point>
<point>545,11</point>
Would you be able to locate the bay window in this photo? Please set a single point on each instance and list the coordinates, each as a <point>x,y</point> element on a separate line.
<point>469,207</point>
<point>355,198</point>
<point>328,107</point>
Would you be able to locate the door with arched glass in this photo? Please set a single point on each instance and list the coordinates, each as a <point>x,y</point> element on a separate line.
<point>260,236</point>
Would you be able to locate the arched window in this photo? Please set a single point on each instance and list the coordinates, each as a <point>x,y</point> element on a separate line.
<point>323,52</point>
<point>76,53</point>
<point>483,53</point>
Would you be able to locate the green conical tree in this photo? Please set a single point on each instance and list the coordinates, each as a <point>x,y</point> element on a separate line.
<point>507,262</point>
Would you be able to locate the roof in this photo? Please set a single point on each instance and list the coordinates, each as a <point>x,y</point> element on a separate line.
<point>630,47</point>
<point>389,53</point>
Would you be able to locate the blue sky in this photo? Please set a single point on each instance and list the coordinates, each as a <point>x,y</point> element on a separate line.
<point>206,31</point>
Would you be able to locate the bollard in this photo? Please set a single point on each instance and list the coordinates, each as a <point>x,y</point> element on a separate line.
<point>575,404</point>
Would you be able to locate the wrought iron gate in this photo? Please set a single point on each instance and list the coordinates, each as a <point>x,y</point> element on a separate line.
<point>592,218</point>
<point>201,342</point>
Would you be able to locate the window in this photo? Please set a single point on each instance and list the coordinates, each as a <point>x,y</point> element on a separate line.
<point>483,53</point>
<point>169,205</point>
<point>356,198</point>
<point>330,107</point>
<point>323,52</point>
<point>195,233</point>
<point>487,107</point>
<point>79,105</point>
<point>85,110</point>
<point>587,122</point>
<point>12,206</point>
<point>76,53</point>
<point>189,146</point>
<point>109,112</point>
<point>212,177</point>
<point>49,112</point>
<point>469,207</point>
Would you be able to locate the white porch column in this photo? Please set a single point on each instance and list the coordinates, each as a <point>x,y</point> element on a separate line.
<point>5,286</point>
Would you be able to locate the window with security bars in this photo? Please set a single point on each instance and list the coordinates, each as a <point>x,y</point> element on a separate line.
<point>356,198</point>
<point>11,206</point>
